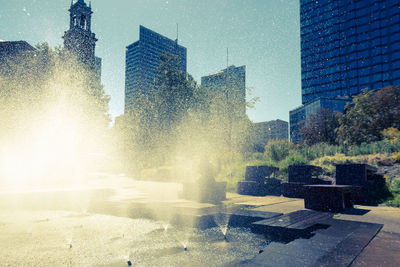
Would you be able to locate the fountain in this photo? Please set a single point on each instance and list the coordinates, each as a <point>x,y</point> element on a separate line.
<point>165,226</point>
<point>205,188</point>
<point>222,220</point>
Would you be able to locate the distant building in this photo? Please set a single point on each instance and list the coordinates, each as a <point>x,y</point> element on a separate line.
<point>143,59</point>
<point>12,49</point>
<point>232,82</point>
<point>79,39</point>
<point>269,130</point>
<point>346,46</point>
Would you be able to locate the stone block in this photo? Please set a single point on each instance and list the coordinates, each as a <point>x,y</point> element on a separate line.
<point>303,173</point>
<point>259,173</point>
<point>293,190</point>
<point>351,174</point>
<point>271,186</point>
<point>333,198</point>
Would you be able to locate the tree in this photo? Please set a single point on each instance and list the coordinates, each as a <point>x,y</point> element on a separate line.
<point>173,92</point>
<point>149,131</point>
<point>136,135</point>
<point>319,128</point>
<point>369,114</point>
<point>179,119</point>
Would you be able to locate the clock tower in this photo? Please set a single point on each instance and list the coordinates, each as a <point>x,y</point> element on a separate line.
<point>79,39</point>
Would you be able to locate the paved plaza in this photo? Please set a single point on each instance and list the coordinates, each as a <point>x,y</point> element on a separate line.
<point>43,223</point>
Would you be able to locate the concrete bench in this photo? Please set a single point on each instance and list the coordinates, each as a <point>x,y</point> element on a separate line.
<point>354,174</point>
<point>300,175</point>
<point>258,182</point>
<point>297,220</point>
<point>363,179</point>
<point>333,198</point>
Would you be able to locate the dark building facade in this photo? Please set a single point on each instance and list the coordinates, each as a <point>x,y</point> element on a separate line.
<point>12,49</point>
<point>80,39</point>
<point>143,59</point>
<point>347,46</point>
<point>232,82</point>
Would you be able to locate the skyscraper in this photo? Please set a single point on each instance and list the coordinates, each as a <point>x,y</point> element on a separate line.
<point>346,46</point>
<point>232,82</point>
<point>143,59</point>
<point>79,39</point>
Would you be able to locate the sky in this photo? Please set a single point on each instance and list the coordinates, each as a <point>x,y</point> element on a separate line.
<point>264,35</point>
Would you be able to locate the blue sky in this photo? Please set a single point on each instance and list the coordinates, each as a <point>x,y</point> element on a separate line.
<point>261,34</point>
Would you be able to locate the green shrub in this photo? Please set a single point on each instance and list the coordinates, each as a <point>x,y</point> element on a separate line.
<point>395,202</point>
<point>380,147</point>
<point>278,150</point>
<point>320,150</point>
<point>395,186</point>
<point>232,173</point>
<point>396,156</point>
<point>392,135</point>
<point>294,158</point>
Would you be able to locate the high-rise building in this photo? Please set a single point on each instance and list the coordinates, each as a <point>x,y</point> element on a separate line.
<point>346,46</point>
<point>80,39</point>
<point>232,82</point>
<point>143,59</point>
<point>269,130</point>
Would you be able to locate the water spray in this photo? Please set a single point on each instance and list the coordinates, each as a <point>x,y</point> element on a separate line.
<point>225,238</point>
<point>165,226</point>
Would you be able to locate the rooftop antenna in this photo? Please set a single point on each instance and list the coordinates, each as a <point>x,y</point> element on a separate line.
<point>227,58</point>
<point>177,32</point>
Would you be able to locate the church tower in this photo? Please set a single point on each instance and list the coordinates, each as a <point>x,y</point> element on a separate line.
<point>79,39</point>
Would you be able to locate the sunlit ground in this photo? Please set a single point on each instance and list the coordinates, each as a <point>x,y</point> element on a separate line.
<point>57,227</point>
<point>59,238</point>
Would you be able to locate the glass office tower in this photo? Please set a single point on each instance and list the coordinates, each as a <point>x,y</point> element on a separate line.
<point>143,59</point>
<point>232,82</point>
<point>347,46</point>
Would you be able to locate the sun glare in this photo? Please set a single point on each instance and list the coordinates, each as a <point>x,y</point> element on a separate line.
<point>51,152</point>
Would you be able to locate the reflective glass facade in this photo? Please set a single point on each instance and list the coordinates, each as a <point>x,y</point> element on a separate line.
<point>347,46</point>
<point>231,81</point>
<point>143,59</point>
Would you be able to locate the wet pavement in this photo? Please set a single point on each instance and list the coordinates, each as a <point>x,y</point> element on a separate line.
<point>103,219</point>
